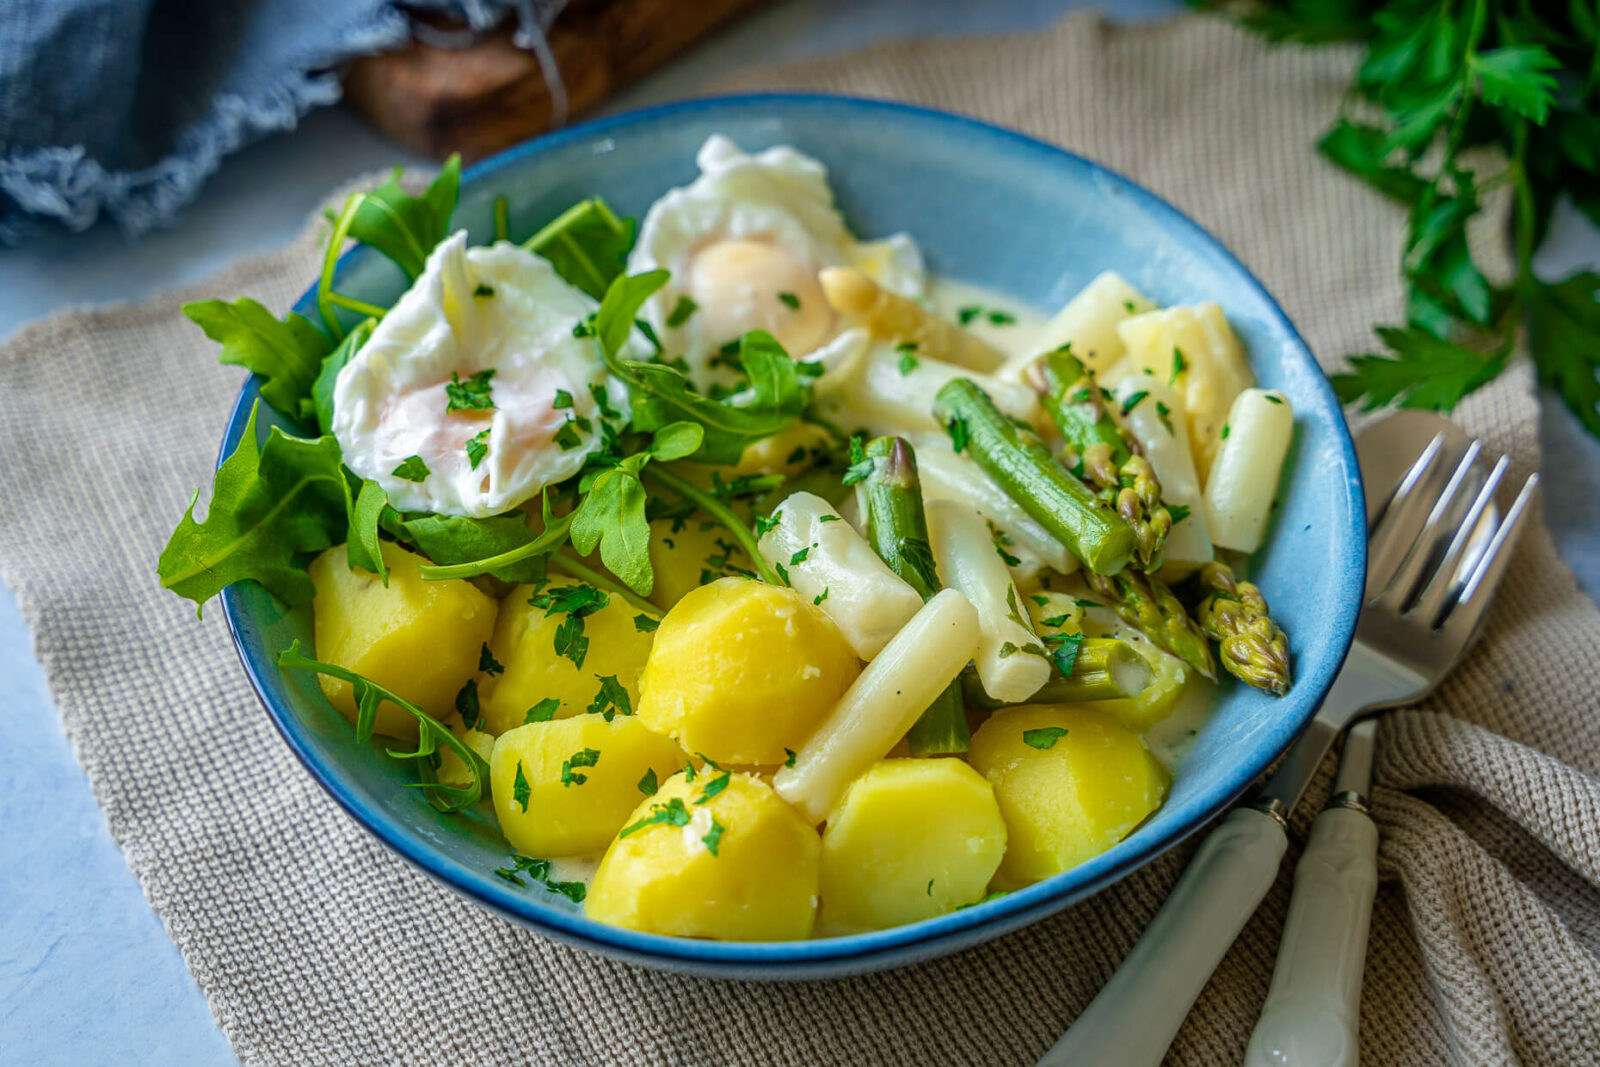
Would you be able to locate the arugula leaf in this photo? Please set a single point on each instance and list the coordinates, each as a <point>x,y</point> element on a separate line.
<point>431,734</point>
<point>363,549</point>
<point>587,244</point>
<point>272,505</point>
<point>406,228</point>
<point>328,376</point>
<point>1424,372</point>
<point>1565,323</point>
<point>611,516</point>
<point>452,539</point>
<point>285,354</point>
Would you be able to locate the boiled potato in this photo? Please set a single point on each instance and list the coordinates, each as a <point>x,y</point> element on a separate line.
<point>717,856</point>
<point>743,672</point>
<point>1089,321</point>
<point>912,838</point>
<point>563,788</point>
<point>453,770</point>
<point>686,554</point>
<point>1158,699</point>
<point>1066,796</point>
<point>417,638</point>
<point>524,644</point>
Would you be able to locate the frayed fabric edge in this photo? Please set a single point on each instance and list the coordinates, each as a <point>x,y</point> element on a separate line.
<point>63,185</point>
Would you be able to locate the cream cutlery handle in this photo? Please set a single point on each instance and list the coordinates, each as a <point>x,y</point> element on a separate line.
<point>1136,1015</point>
<point>1312,1013</point>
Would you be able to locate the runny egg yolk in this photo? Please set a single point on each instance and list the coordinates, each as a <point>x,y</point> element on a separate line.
<point>742,285</point>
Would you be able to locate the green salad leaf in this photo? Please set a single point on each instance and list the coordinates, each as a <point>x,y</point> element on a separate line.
<point>328,376</point>
<point>453,539</point>
<point>272,505</point>
<point>587,244</point>
<point>403,227</point>
<point>286,354</point>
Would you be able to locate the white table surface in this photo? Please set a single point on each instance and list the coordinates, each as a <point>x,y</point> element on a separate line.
<point>87,974</point>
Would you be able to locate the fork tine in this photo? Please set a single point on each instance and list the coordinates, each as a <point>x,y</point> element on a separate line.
<point>1410,574</point>
<point>1394,530</point>
<point>1431,601</point>
<point>1467,614</point>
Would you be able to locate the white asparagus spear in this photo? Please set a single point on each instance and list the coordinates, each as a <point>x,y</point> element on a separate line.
<point>1244,476</point>
<point>1158,423</point>
<point>1089,321</point>
<point>882,704</point>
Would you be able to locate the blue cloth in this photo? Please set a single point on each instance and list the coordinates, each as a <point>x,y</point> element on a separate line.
<point>123,108</point>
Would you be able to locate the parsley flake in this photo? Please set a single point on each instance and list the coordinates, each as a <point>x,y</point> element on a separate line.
<point>412,469</point>
<point>562,401</point>
<point>1133,400</point>
<point>790,301</point>
<point>487,663</point>
<point>958,433</point>
<point>644,624</point>
<point>713,837</point>
<point>520,790</point>
<point>671,813</point>
<point>467,703</point>
<point>611,700</point>
<point>587,757</point>
<point>789,762</point>
<point>1178,365</point>
<point>714,787</point>
<point>681,311</point>
<point>966,314</point>
<point>1043,738</point>
<point>543,711</point>
<point>477,448</point>
<point>470,395</point>
<point>1066,654</point>
<point>483,290</point>
<point>799,556</point>
<point>648,784</point>
<point>820,597</point>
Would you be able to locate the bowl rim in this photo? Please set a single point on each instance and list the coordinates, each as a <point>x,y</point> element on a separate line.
<point>901,944</point>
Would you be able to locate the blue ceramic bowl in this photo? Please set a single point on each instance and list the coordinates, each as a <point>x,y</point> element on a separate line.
<point>988,206</point>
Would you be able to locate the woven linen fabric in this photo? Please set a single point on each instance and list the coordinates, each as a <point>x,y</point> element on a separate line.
<point>314,945</point>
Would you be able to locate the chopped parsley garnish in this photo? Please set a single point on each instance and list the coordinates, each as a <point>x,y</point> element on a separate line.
<point>958,433</point>
<point>1178,365</point>
<point>1066,654</point>
<point>567,437</point>
<point>930,887</point>
<point>487,663</point>
<point>820,597</point>
<point>967,314</point>
<point>569,640</point>
<point>763,523</point>
<point>681,311</point>
<point>672,813</point>
<point>688,771</point>
<point>1055,622</point>
<point>539,871</point>
<point>587,757</point>
<point>1001,318</point>
<point>483,290</point>
<point>520,790</point>
<point>644,624</point>
<point>1179,512</point>
<point>1000,540</point>
<point>576,602</point>
<point>1129,306</point>
<point>412,469</point>
<point>783,573</point>
<point>1226,429</point>
<point>477,448</point>
<point>1043,738</point>
<point>1164,413</point>
<point>1133,400</point>
<point>1269,398</point>
<point>1080,602</point>
<point>860,465</point>
<point>713,837</point>
<point>830,518</point>
<point>611,700</point>
<point>790,301</point>
<point>791,754</point>
<point>543,711</point>
<point>648,784</point>
<point>714,787</point>
<point>799,556</point>
<point>470,395</point>
<point>908,356</point>
<point>1040,599</point>
<point>467,703</point>
<point>918,556</point>
<point>562,401</point>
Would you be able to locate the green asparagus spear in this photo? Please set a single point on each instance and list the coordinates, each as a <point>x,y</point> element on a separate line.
<point>1234,614</point>
<point>1022,465</point>
<point>1110,459</point>
<point>1106,669</point>
<point>1143,600</point>
<point>897,529</point>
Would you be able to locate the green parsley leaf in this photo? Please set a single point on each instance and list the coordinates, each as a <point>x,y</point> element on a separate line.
<point>467,702</point>
<point>1179,512</point>
<point>1565,323</point>
<point>483,290</point>
<point>645,624</point>
<point>958,433</point>
<point>790,754</point>
<point>966,314</point>
<point>671,813</point>
<point>917,555</point>
<point>908,363</point>
<point>713,837</point>
<point>520,790</point>
<point>412,469</point>
<point>611,700</point>
<point>714,787</point>
<point>562,401</point>
<point>681,312</point>
<point>286,355</point>
<point>544,711</point>
<point>790,301</point>
<point>1001,318</point>
<point>861,467</point>
<point>474,394</point>
<point>799,556</point>
<point>1133,400</point>
<point>1066,654</point>
<point>1043,738</point>
<point>539,871</point>
<point>587,244</point>
<point>587,757</point>
<point>1518,77</point>
<point>648,784</point>
<point>1000,548</point>
<point>1424,372</point>
<point>567,437</point>
<point>1164,413</point>
<point>820,597</point>
<point>477,448</point>
<point>487,663</point>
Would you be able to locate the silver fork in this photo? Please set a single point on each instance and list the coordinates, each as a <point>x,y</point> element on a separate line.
<point>1436,555</point>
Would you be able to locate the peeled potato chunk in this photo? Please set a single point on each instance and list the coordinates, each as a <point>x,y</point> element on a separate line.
<point>912,838</point>
<point>1071,782</point>
<point>743,672</point>
<point>524,645</point>
<point>564,788</point>
<point>417,638</point>
<point>688,553</point>
<point>717,856</point>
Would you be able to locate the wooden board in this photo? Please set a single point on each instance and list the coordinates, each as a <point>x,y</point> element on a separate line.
<point>479,99</point>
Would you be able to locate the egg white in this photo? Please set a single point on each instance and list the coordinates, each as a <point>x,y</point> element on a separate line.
<point>744,241</point>
<point>496,307</point>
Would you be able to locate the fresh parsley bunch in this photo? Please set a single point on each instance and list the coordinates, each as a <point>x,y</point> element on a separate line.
<point>1439,78</point>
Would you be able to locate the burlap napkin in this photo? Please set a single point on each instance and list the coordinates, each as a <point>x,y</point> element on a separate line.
<point>316,946</point>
